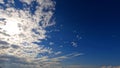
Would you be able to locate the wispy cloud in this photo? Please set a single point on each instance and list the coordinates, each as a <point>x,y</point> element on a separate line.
<point>110,66</point>
<point>80,66</point>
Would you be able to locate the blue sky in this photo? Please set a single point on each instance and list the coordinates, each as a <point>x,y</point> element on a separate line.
<point>59,33</point>
<point>98,25</point>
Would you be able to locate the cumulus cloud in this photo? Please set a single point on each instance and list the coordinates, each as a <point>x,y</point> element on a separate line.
<point>20,27</point>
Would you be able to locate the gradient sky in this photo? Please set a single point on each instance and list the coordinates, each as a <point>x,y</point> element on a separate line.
<point>95,28</point>
<point>70,33</point>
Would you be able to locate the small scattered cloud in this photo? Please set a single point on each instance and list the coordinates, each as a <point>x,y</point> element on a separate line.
<point>61,46</point>
<point>51,43</point>
<point>57,53</point>
<point>79,37</point>
<point>74,44</point>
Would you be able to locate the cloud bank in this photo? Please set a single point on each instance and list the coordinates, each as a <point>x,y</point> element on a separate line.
<point>22,23</point>
<point>80,66</point>
<point>110,66</point>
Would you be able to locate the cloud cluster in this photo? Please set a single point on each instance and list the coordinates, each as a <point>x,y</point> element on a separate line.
<point>20,27</point>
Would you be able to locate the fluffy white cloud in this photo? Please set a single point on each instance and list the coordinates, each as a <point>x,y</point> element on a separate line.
<point>19,28</point>
<point>16,28</point>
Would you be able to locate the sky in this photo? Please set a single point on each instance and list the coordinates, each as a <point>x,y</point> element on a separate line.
<point>94,26</point>
<point>59,34</point>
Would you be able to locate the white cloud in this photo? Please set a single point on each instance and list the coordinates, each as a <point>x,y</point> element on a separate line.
<point>68,56</point>
<point>57,53</point>
<point>28,1</point>
<point>19,28</point>
<point>1,1</point>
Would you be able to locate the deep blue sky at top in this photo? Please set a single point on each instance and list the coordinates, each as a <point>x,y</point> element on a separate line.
<point>98,23</point>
